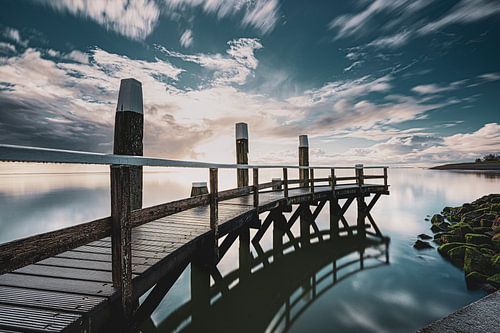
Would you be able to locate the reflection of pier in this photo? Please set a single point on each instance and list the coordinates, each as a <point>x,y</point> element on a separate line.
<point>270,291</point>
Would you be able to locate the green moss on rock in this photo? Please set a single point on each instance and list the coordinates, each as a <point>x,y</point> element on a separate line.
<point>477,239</point>
<point>476,261</point>
<point>494,280</point>
<point>475,280</point>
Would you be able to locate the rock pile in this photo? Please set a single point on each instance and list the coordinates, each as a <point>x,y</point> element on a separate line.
<point>469,236</point>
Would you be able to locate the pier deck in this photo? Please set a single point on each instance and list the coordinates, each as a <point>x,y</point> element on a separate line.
<point>73,290</point>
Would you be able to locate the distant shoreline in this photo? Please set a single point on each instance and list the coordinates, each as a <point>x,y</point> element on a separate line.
<point>481,166</point>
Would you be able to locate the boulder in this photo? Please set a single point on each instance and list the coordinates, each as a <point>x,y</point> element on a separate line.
<point>436,229</point>
<point>496,225</point>
<point>437,218</point>
<point>445,248</point>
<point>424,236</point>
<point>477,239</point>
<point>449,238</point>
<point>476,261</point>
<point>495,263</point>
<point>475,280</point>
<point>485,223</point>
<point>495,207</point>
<point>496,241</point>
<point>480,230</point>
<point>494,280</point>
<point>456,255</point>
<point>420,245</point>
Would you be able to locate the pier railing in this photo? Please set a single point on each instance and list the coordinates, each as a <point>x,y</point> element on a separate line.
<point>22,252</point>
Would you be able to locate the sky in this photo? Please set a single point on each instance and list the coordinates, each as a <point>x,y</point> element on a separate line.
<point>398,82</point>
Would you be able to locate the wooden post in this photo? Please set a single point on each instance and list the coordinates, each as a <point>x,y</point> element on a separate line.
<point>303,159</point>
<point>361,231</point>
<point>129,131</point>
<point>312,181</point>
<point>214,190</point>
<point>213,248</point>
<point>359,174</point>
<point>200,296</point>
<point>255,172</point>
<point>385,176</point>
<point>242,153</point>
<point>199,188</point>
<point>285,182</point>
<point>245,255</point>
<point>333,179</point>
<point>276,184</point>
<point>121,236</point>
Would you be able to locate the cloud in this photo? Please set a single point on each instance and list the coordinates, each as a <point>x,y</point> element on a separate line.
<point>14,35</point>
<point>134,19</point>
<point>466,11</point>
<point>354,64</point>
<point>393,41</point>
<point>490,76</point>
<point>7,48</point>
<point>259,14</point>
<point>234,67</point>
<point>408,18</point>
<point>186,39</point>
<point>430,89</point>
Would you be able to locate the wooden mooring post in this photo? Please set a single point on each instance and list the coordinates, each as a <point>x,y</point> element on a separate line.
<point>304,160</point>
<point>129,132</point>
<point>361,231</point>
<point>242,153</point>
<point>126,187</point>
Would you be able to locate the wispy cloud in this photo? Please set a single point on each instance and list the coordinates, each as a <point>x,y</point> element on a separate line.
<point>15,36</point>
<point>259,14</point>
<point>233,67</point>
<point>407,18</point>
<point>186,39</point>
<point>466,11</point>
<point>134,19</point>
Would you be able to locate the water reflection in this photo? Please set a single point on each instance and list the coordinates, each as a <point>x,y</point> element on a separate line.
<point>416,288</point>
<point>271,290</point>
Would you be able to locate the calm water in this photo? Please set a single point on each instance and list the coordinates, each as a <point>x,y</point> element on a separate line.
<point>302,288</point>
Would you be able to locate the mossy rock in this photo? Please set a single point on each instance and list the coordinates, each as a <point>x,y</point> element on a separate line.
<point>437,218</point>
<point>496,241</point>
<point>457,254</point>
<point>485,223</point>
<point>495,263</point>
<point>495,207</point>
<point>487,251</point>
<point>476,261</point>
<point>496,225</point>
<point>475,280</point>
<point>450,238</point>
<point>445,248</point>
<point>494,280</point>
<point>477,239</point>
<point>481,230</point>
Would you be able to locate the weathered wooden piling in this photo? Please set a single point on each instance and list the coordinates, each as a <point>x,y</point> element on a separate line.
<point>199,188</point>
<point>126,187</point>
<point>242,153</point>
<point>129,132</point>
<point>276,184</point>
<point>304,160</point>
<point>361,231</point>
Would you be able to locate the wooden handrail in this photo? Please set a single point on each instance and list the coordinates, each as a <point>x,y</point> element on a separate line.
<point>22,252</point>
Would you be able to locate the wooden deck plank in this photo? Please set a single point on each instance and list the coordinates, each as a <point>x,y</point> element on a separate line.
<point>49,299</point>
<point>55,284</point>
<point>36,320</point>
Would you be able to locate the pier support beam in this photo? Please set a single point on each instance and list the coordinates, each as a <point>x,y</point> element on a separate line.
<point>304,160</point>
<point>129,132</point>
<point>242,153</point>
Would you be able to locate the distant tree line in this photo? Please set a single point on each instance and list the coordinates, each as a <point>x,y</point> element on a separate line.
<point>489,158</point>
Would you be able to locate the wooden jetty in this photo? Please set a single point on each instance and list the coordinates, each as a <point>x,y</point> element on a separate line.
<point>89,277</point>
